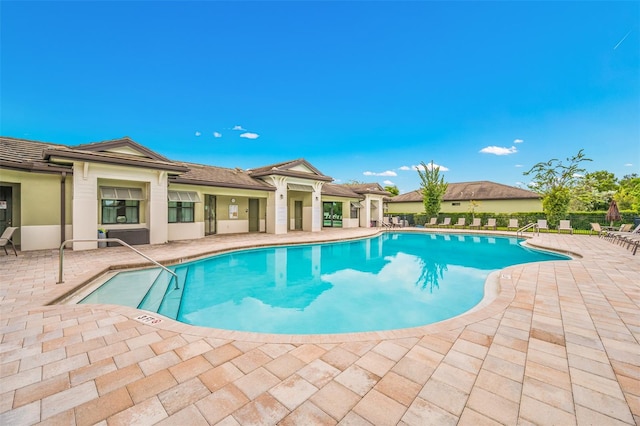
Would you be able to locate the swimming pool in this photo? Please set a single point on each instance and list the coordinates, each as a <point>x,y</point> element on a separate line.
<point>391,281</point>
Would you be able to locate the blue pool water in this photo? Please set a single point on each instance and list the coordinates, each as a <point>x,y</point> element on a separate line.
<point>392,281</point>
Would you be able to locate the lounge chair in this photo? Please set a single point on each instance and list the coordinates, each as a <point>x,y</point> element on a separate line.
<point>542,224</point>
<point>612,234</point>
<point>433,221</point>
<point>595,227</point>
<point>619,236</point>
<point>386,222</point>
<point>445,222</point>
<point>476,223</point>
<point>491,223</point>
<point>7,238</point>
<point>565,225</point>
<point>632,240</point>
<point>460,223</point>
<point>395,221</point>
<point>513,224</point>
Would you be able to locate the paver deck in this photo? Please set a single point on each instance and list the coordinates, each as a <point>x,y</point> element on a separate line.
<point>558,345</point>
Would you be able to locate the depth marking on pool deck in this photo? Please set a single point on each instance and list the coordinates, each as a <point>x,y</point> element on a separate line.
<point>148,319</point>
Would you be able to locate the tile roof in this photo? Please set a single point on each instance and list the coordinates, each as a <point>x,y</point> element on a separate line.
<point>199,174</point>
<point>339,191</point>
<point>23,154</point>
<point>368,188</point>
<point>478,190</point>
<point>286,169</point>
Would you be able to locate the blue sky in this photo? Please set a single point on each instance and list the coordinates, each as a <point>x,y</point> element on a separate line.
<point>364,91</point>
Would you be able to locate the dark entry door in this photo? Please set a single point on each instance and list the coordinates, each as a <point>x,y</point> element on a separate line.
<point>254,215</point>
<point>298,215</point>
<point>6,206</point>
<point>209,214</point>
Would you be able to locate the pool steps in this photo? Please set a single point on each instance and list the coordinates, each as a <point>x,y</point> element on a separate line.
<point>153,290</point>
<point>170,304</point>
<point>153,297</point>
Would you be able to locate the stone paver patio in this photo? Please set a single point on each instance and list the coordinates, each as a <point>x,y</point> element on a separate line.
<point>558,345</point>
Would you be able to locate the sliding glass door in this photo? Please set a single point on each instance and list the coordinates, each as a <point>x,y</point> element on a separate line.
<point>332,212</point>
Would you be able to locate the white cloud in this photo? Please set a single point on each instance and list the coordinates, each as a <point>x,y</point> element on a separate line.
<point>499,150</point>
<point>217,134</point>
<point>442,168</point>
<point>578,175</point>
<point>520,184</point>
<point>238,128</point>
<point>519,165</point>
<point>518,141</point>
<point>250,135</point>
<point>628,165</point>
<point>407,168</point>
<point>198,133</point>
<point>386,173</point>
<point>387,182</point>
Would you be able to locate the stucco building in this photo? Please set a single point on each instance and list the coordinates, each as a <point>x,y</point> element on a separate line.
<point>476,197</point>
<point>54,192</point>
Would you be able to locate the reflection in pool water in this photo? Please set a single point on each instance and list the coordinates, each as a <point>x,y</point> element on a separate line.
<point>395,280</point>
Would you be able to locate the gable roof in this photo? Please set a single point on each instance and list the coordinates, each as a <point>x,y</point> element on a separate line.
<point>367,188</point>
<point>123,142</point>
<point>22,154</point>
<point>478,190</point>
<point>339,191</point>
<point>199,174</point>
<point>288,168</point>
<point>108,152</point>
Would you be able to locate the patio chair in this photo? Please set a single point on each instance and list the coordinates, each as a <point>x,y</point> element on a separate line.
<point>542,224</point>
<point>460,223</point>
<point>565,225</point>
<point>619,236</point>
<point>433,221</point>
<point>632,240</point>
<point>595,227</point>
<point>7,238</point>
<point>513,224</point>
<point>476,223</point>
<point>491,223</point>
<point>445,222</point>
<point>396,221</point>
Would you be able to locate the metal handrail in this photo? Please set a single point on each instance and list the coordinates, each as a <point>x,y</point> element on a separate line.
<point>115,240</point>
<point>524,228</point>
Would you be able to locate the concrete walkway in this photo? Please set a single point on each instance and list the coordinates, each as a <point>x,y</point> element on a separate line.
<point>559,345</point>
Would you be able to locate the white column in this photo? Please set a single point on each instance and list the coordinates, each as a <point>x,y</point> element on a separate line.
<point>158,219</point>
<point>277,206</point>
<point>316,207</point>
<point>85,206</point>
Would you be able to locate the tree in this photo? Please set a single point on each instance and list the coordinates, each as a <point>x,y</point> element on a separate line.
<point>594,191</point>
<point>554,181</point>
<point>392,189</point>
<point>433,187</point>
<point>628,195</point>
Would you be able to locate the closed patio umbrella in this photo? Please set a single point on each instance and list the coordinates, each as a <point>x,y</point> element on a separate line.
<point>613,213</point>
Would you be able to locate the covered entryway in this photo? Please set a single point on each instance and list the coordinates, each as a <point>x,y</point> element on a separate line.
<point>297,212</point>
